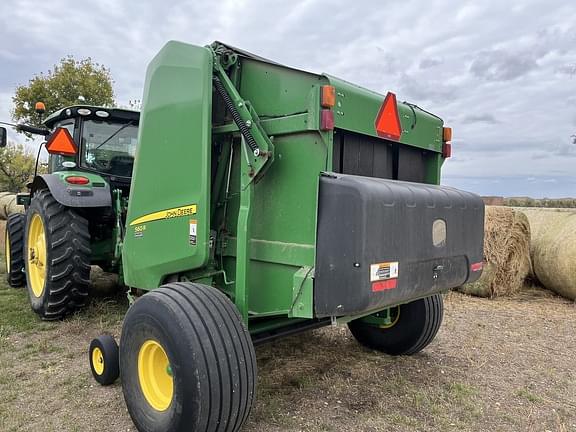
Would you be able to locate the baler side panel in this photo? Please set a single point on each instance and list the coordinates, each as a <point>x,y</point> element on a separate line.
<point>357,108</point>
<point>277,91</point>
<point>169,207</point>
<point>283,221</point>
<point>283,218</point>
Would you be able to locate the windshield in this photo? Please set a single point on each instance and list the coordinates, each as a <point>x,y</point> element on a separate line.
<point>109,147</point>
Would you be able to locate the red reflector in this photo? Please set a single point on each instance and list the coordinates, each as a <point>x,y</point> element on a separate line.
<point>387,121</point>
<point>384,285</point>
<point>61,142</point>
<point>327,119</point>
<point>77,180</point>
<point>446,150</point>
<point>476,266</point>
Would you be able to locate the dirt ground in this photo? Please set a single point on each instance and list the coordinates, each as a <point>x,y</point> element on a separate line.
<point>503,365</point>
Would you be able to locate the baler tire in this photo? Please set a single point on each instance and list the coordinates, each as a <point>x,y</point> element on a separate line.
<point>104,359</point>
<point>60,285</point>
<point>417,325</point>
<point>14,250</point>
<point>194,334</point>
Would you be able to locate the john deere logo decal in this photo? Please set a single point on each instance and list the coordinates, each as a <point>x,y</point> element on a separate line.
<point>188,210</point>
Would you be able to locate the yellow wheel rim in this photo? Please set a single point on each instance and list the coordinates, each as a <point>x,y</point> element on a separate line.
<point>394,320</point>
<point>7,250</point>
<point>155,375</point>
<point>98,361</point>
<point>37,258</point>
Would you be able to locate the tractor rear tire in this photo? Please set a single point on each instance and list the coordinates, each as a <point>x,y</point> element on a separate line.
<point>187,361</point>
<point>415,327</point>
<point>57,258</point>
<point>14,250</point>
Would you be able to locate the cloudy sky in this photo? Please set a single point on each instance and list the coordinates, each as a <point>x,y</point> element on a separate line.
<point>501,73</point>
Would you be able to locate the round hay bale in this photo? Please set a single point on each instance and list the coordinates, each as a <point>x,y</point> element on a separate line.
<point>8,205</point>
<point>103,283</point>
<point>483,286</point>
<point>2,234</point>
<point>506,253</point>
<point>553,249</point>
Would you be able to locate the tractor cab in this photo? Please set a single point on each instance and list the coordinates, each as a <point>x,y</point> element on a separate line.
<point>104,141</point>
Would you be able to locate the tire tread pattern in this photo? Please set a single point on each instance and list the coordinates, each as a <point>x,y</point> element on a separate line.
<point>68,243</point>
<point>15,229</point>
<point>419,327</point>
<point>434,316</point>
<point>223,354</point>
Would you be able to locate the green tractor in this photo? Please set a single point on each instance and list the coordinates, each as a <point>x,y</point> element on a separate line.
<point>75,214</point>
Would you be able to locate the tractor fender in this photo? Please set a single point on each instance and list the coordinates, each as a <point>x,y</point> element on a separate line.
<point>73,195</point>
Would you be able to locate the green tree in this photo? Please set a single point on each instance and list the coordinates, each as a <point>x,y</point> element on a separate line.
<point>70,82</point>
<point>16,167</point>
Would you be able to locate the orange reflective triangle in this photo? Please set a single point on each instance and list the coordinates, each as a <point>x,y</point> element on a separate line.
<point>387,121</point>
<point>60,142</point>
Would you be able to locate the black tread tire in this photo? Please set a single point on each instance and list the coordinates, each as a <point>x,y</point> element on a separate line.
<point>67,284</point>
<point>15,235</point>
<point>110,353</point>
<point>211,356</point>
<point>418,323</point>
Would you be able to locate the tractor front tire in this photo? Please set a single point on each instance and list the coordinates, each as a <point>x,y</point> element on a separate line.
<point>57,258</point>
<point>187,361</point>
<point>14,252</point>
<point>414,327</point>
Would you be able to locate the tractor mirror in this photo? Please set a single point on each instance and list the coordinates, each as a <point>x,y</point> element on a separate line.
<point>3,138</point>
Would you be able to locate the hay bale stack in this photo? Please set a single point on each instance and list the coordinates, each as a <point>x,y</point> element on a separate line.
<point>8,205</point>
<point>506,253</point>
<point>553,249</point>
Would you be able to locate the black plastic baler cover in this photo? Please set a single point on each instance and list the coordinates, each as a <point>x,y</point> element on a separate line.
<point>384,242</point>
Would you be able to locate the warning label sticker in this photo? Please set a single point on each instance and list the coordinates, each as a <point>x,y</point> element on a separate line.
<point>192,233</point>
<point>383,271</point>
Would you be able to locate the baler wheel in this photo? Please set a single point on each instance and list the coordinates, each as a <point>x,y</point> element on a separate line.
<point>57,257</point>
<point>416,326</point>
<point>104,359</point>
<point>14,250</point>
<point>187,361</point>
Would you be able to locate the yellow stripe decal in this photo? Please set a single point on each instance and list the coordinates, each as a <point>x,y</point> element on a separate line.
<point>166,214</point>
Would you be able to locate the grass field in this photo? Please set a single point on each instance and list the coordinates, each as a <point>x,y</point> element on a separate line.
<point>505,365</point>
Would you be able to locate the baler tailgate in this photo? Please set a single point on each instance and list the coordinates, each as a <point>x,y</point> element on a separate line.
<point>383,242</point>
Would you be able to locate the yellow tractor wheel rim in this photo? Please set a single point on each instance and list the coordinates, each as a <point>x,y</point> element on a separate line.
<point>7,250</point>
<point>98,361</point>
<point>37,257</point>
<point>155,375</point>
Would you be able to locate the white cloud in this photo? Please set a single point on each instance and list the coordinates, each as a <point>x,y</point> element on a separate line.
<point>500,73</point>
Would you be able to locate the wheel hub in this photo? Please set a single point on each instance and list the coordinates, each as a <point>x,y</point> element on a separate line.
<point>98,361</point>
<point>155,375</point>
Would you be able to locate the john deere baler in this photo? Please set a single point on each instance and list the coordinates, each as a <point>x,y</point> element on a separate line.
<point>266,200</point>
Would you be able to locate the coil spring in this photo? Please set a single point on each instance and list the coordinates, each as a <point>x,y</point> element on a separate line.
<point>244,130</point>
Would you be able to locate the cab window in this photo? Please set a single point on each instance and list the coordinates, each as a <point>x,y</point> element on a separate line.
<point>109,147</point>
